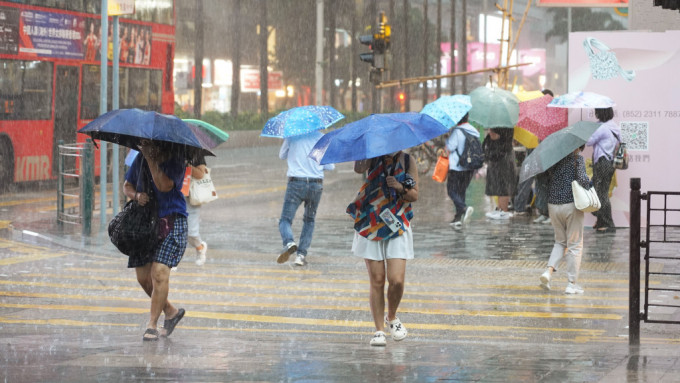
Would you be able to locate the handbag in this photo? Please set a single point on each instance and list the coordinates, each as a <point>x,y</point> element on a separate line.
<point>620,155</point>
<point>586,200</point>
<point>441,169</point>
<point>135,230</point>
<point>202,191</point>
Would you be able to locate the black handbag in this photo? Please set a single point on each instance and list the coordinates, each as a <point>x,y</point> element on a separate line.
<point>134,231</point>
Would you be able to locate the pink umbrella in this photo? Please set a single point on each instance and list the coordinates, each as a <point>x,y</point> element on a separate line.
<point>537,118</point>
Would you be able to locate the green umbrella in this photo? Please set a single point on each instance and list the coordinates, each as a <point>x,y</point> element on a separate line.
<point>555,147</point>
<point>212,135</point>
<point>493,108</point>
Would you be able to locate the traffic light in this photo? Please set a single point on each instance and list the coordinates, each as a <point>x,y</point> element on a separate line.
<point>369,56</point>
<point>378,43</point>
<point>401,98</point>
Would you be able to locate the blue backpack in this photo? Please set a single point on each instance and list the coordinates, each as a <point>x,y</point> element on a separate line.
<point>472,157</point>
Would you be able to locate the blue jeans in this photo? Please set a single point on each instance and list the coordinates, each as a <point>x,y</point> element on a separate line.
<point>298,192</point>
<point>456,185</point>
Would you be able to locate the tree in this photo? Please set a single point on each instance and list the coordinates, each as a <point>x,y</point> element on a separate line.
<point>236,57</point>
<point>582,19</point>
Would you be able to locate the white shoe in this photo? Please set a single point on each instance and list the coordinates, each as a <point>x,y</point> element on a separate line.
<point>397,330</point>
<point>490,214</point>
<point>500,215</point>
<point>540,219</point>
<point>546,221</point>
<point>573,288</point>
<point>379,339</point>
<point>201,254</point>
<point>457,225</point>
<point>468,214</point>
<point>289,249</point>
<point>300,260</point>
<point>545,280</point>
<point>174,268</point>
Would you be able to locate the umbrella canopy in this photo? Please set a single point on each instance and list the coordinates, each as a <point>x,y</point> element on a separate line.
<point>582,100</point>
<point>376,135</point>
<point>209,134</point>
<point>537,118</point>
<point>555,147</point>
<point>301,120</point>
<point>128,127</point>
<point>494,108</point>
<point>448,110</point>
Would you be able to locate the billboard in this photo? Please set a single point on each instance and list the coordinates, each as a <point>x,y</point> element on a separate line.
<point>583,3</point>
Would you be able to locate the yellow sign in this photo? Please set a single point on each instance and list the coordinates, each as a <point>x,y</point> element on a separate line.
<point>121,7</point>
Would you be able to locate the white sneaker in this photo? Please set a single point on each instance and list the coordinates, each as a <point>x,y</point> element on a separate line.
<point>573,288</point>
<point>500,215</point>
<point>457,225</point>
<point>379,339</point>
<point>201,254</point>
<point>545,280</point>
<point>397,330</point>
<point>468,214</point>
<point>547,221</point>
<point>174,268</point>
<point>490,214</point>
<point>289,249</point>
<point>540,219</point>
<point>300,260</point>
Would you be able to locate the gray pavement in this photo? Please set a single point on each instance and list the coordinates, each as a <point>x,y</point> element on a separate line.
<point>70,311</point>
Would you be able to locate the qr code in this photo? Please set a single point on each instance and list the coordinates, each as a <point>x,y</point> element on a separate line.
<point>635,135</point>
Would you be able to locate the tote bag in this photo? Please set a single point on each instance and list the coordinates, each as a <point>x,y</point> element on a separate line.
<point>441,169</point>
<point>202,191</point>
<point>585,200</point>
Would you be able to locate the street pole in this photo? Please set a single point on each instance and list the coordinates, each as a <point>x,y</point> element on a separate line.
<point>103,53</point>
<point>318,70</point>
<point>115,158</point>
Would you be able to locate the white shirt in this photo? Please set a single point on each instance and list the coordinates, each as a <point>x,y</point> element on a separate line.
<point>456,144</point>
<point>296,150</point>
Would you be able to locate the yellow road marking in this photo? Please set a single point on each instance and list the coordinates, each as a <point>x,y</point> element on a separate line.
<point>5,224</point>
<point>28,201</point>
<point>29,258</point>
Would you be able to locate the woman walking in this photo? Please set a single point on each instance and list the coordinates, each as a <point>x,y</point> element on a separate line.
<point>604,142</point>
<point>382,214</point>
<point>567,221</point>
<point>500,172</point>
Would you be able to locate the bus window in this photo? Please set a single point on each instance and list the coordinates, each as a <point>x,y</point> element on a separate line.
<point>139,88</point>
<point>155,83</point>
<point>25,90</point>
<point>89,108</point>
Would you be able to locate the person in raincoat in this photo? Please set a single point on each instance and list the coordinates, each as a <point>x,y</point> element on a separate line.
<point>459,178</point>
<point>604,142</point>
<point>383,234</point>
<point>153,270</point>
<point>566,219</point>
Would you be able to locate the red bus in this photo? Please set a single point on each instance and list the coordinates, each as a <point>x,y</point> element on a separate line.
<point>50,75</point>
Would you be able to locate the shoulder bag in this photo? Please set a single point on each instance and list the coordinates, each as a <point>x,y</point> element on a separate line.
<point>585,200</point>
<point>202,191</point>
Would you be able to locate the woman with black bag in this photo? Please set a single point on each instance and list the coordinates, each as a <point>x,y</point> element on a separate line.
<point>156,177</point>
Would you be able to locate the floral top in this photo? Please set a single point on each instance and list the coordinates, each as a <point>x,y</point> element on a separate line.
<point>571,167</point>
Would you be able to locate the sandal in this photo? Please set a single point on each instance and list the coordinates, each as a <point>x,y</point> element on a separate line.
<point>149,331</point>
<point>169,324</point>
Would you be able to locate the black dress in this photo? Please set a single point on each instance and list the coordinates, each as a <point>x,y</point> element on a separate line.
<point>500,157</point>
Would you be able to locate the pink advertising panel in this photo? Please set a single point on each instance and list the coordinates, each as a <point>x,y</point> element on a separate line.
<point>641,76</point>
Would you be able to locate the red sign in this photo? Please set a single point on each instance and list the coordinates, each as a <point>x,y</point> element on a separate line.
<point>250,80</point>
<point>583,3</point>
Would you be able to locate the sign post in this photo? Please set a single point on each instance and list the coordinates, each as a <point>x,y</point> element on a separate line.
<point>103,162</point>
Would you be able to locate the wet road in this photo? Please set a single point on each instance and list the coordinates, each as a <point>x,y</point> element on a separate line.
<point>472,302</point>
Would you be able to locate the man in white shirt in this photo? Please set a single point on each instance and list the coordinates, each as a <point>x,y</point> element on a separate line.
<point>305,184</point>
<point>459,177</point>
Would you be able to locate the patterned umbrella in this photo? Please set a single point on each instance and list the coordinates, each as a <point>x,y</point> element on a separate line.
<point>301,120</point>
<point>582,100</point>
<point>449,110</point>
<point>494,108</point>
<point>537,118</point>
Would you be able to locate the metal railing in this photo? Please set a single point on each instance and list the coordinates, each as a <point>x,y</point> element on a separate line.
<point>661,246</point>
<point>75,182</point>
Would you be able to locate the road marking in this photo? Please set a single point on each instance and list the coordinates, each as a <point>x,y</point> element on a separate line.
<point>31,253</point>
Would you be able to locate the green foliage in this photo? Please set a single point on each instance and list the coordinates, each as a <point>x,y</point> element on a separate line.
<point>582,19</point>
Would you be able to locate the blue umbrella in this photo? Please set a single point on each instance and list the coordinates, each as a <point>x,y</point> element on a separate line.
<point>301,120</point>
<point>376,135</point>
<point>128,127</point>
<point>449,110</point>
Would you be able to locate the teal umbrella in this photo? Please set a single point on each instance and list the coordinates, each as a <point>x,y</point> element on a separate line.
<point>555,147</point>
<point>493,108</point>
<point>210,134</point>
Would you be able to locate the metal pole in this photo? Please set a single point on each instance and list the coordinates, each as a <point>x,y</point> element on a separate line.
<point>60,183</point>
<point>87,186</point>
<point>103,52</point>
<point>634,253</point>
<point>115,158</point>
<point>318,70</point>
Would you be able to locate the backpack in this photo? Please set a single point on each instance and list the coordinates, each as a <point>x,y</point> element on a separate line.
<point>472,157</point>
<point>620,155</point>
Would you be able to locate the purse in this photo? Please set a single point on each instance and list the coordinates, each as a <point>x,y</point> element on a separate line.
<point>586,200</point>
<point>202,191</point>
<point>441,169</point>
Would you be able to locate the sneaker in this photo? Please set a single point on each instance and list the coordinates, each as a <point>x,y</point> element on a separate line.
<point>397,330</point>
<point>174,268</point>
<point>573,288</point>
<point>545,280</point>
<point>521,213</point>
<point>490,214</point>
<point>540,219</point>
<point>468,214</point>
<point>457,218</point>
<point>201,253</point>
<point>547,221</point>
<point>289,249</point>
<point>457,225</point>
<point>300,260</point>
<point>379,339</point>
<point>500,215</point>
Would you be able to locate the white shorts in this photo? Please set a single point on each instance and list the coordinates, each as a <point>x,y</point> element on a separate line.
<point>400,247</point>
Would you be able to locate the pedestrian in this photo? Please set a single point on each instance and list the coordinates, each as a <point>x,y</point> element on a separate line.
<point>566,219</point>
<point>604,142</point>
<point>198,171</point>
<point>541,201</point>
<point>459,177</point>
<point>163,173</point>
<point>500,173</point>
<point>383,235</point>
<point>305,185</point>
